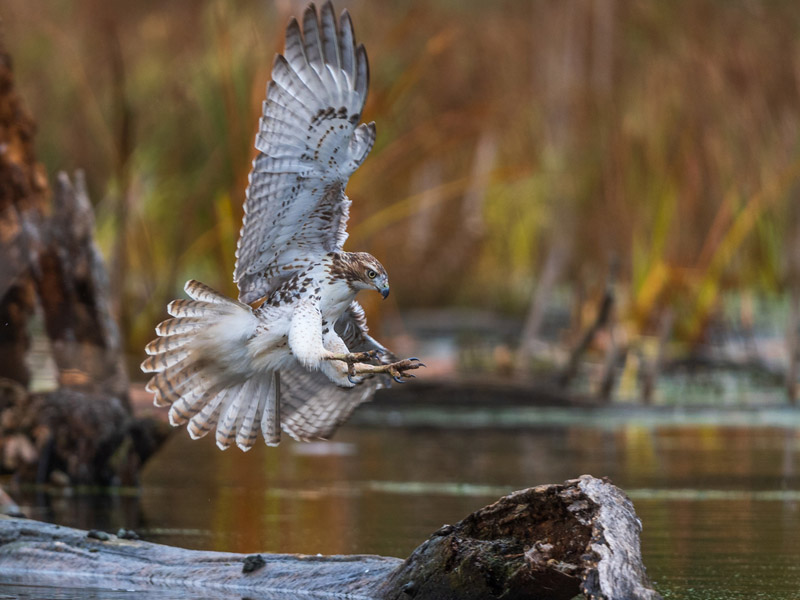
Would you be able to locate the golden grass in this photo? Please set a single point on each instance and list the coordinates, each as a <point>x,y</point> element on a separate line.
<point>661,134</point>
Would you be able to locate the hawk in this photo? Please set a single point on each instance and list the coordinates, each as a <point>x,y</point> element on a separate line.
<point>293,352</point>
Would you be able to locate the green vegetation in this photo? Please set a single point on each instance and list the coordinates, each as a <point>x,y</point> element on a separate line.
<point>662,135</point>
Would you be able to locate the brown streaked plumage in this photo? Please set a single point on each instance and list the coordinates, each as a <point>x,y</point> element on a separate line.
<point>353,266</point>
<point>293,352</point>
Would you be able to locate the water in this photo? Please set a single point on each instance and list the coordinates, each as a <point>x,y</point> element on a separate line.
<point>720,504</point>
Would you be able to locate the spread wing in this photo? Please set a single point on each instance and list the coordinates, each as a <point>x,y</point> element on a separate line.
<point>310,143</point>
<point>313,407</point>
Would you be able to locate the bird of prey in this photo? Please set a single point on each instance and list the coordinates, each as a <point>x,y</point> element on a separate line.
<point>293,351</point>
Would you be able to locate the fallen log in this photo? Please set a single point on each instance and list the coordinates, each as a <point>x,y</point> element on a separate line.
<point>552,541</point>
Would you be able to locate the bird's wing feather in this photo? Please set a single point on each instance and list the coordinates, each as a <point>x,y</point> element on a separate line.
<point>312,407</point>
<point>309,144</point>
<point>352,328</point>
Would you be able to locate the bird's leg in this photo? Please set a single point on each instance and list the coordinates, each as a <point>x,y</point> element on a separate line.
<point>351,358</point>
<point>356,365</point>
<point>396,369</point>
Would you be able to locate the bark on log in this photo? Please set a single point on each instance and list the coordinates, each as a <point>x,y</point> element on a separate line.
<point>552,541</point>
<point>23,195</point>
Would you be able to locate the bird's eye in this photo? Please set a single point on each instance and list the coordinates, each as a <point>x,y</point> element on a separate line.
<point>371,274</point>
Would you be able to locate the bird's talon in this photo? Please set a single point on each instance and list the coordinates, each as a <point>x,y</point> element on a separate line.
<point>396,370</point>
<point>351,380</point>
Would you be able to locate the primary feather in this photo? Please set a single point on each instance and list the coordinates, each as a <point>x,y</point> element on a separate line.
<point>310,143</point>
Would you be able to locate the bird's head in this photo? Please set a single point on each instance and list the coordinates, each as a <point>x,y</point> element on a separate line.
<point>364,272</point>
<point>373,275</point>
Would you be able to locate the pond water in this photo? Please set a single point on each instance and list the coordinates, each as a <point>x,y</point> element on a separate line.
<point>720,503</point>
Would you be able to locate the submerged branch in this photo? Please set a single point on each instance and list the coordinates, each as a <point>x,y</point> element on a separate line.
<point>604,314</point>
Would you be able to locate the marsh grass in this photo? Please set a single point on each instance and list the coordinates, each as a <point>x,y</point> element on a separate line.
<point>662,135</point>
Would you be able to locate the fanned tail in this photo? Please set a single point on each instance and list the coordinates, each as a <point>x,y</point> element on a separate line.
<point>190,377</point>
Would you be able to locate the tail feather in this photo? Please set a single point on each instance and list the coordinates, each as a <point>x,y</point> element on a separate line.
<point>165,344</point>
<point>169,385</point>
<point>233,415</point>
<point>248,430</point>
<point>200,424</point>
<point>227,408</point>
<point>180,325</point>
<point>190,403</point>
<point>160,362</point>
<point>270,417</point>
<point>188,377</point>
<point>191,308</point>
<point>196,372</point>
<point>176,374</point>
<point>202,293</point>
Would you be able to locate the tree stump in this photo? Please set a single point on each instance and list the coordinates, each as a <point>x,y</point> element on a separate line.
<point>549,542</point>
<point>23,194</point>
<point>82,432</point>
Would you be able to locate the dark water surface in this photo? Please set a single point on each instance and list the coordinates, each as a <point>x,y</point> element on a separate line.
<point>720,504</point>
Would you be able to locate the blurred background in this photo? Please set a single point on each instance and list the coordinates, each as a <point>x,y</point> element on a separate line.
<point>531,156</point>
<point>599,194</point>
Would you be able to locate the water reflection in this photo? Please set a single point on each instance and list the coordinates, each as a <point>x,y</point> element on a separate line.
<point>720,505</point>
<point>36,592</point>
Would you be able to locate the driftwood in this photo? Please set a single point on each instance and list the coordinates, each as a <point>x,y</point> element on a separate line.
<point>551,541</point>
<point>83,432</point>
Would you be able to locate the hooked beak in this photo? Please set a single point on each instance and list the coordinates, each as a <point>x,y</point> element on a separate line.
<point>384,291</point>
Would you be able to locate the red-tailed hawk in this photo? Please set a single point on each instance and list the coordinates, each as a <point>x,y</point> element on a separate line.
<point>293,352</point>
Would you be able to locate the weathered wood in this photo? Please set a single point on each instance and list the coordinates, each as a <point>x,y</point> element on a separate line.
<point>46,554</point>
<point>75,297</point>
<point>551,541</point>
<point>48,254</point>
<point>73,436</point>
<point>84,431</point>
